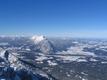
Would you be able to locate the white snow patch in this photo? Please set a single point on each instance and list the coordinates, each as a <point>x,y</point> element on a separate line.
<point>41,58</point>
<point>77,50</point>
<point>81,60</point>
<point>94,60</point>
<point>69,58</point>
<point>68,75</point>
<point>51,63</point>
<point>84,79</point>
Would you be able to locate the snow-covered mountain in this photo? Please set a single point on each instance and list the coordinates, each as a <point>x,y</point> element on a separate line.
<point>38,39</point>
<point>42,44</point>
<point>74,59</point>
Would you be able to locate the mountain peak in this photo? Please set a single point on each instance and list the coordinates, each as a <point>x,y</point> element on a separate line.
<point>38,38</point>
<point>42,44</point>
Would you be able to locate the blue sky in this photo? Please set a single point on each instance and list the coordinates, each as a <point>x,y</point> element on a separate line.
<point>77,18</point>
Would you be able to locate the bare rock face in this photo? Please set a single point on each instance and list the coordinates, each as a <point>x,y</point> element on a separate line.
<point>42,44</point>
